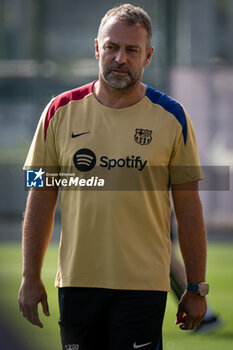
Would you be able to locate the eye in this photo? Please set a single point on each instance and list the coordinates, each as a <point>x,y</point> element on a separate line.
<point>132,50</point>
<point>110,47</point>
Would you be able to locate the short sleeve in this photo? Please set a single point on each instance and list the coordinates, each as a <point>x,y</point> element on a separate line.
<point>184,163</point>
<point>42,152</point>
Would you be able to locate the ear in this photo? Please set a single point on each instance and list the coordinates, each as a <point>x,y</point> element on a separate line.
<point>149,56</point>
<point>97,56</point>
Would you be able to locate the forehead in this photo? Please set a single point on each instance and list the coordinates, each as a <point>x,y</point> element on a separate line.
<point>119,31</point>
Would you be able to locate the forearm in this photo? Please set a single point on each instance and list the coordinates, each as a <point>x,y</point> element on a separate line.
<point>37,230</point>
<point>192,239</point>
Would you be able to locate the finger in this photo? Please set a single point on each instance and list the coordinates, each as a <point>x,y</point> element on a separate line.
<point>20,306</point>
<point>45,306</point>
<point>198,321</point>
<point>34,319</point>
<point>183,321</point>
<point>20,302</point>
<point>188,323</point>
<point>180,316</point>
<point>31,314</point>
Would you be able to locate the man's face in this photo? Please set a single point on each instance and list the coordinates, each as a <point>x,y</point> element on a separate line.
<point>122,54</point>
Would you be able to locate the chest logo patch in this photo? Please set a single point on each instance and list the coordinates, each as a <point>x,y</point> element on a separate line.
<point>143,136</point>
<point>84,159</point>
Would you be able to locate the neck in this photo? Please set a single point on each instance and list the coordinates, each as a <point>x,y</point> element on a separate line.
<point>115,98</point>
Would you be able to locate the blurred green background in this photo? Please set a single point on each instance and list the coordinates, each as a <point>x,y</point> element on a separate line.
<point>219,274</point>
<point>47,46</point>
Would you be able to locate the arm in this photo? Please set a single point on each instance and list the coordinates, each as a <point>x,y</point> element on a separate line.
<point>192,239</point>
<point>37,231</point>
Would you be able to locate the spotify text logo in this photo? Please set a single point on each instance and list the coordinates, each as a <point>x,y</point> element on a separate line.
<point>85,160</point>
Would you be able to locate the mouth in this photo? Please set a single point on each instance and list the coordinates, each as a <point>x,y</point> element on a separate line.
<point>119,72</point>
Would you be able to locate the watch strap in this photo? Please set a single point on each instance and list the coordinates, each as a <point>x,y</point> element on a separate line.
<point>193,287</point>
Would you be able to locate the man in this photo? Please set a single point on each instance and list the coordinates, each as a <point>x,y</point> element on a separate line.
<point>114,260</point>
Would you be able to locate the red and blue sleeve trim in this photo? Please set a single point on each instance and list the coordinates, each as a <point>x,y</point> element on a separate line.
<point>170,106</point>
<point>64,99</point>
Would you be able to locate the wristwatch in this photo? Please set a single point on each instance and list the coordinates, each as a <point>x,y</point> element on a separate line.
<point>201,289</point>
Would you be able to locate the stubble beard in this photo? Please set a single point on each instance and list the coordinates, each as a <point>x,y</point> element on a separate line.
<point>120,82</point>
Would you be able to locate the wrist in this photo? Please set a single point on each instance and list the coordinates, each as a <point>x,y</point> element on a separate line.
<point>31,277</point>
<point>201,288</point>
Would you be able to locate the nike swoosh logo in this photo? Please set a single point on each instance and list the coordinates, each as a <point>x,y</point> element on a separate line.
<point>81,133</point>
<point>135,346</point>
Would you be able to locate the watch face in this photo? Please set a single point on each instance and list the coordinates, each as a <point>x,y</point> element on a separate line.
<point>203,288</point>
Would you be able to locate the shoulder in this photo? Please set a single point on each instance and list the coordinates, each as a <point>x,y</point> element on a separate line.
<point>170,105</point>
<point>165,101</point>
<point>65,98</point>
<point>68,96</point>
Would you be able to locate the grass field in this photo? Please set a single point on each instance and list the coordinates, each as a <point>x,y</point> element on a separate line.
<point>219,274</point>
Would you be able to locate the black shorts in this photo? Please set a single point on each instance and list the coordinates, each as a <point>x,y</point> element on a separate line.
<point>106,319</point>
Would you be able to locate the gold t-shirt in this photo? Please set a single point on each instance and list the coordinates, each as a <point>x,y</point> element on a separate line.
<point>116,235</point>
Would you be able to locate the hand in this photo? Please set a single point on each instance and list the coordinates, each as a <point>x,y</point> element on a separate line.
<point>191,310</point>
<point>30,295</point>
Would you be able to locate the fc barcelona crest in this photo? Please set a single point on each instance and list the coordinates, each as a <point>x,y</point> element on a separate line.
<point>143,136</point>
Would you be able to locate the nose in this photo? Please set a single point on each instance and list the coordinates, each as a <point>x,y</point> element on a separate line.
<point>121,56</point>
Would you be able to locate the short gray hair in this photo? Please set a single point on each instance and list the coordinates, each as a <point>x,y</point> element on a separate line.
<point>131,15</point>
